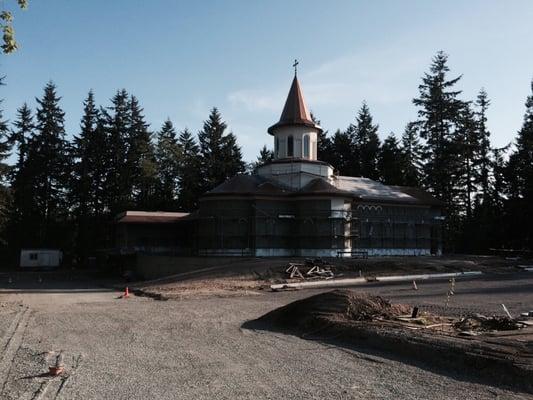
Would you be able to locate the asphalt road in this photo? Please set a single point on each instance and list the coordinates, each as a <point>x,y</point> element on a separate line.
<point>140,348</point>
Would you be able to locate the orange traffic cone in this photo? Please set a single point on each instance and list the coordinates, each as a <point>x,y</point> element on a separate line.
<point>126,293</point>
<point>414,286</point>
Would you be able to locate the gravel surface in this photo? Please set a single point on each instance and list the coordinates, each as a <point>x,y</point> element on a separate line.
<point>138,348</point>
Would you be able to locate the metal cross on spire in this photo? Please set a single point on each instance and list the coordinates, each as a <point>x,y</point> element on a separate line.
<point>295,65</point>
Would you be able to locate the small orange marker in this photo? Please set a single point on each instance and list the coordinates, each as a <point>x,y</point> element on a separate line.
<point>126,293</point>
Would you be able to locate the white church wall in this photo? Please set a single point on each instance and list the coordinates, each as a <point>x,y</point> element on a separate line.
<point>297,133</point>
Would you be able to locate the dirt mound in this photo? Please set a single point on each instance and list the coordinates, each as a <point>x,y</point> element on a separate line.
<point>316,310</point>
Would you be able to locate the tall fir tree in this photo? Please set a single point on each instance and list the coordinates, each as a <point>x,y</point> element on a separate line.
<point>439,108</point>
<point>367,143</point>
<point>189,173</point>
<point>390,161</point>
<point>116,124</point>
<point>343,156</point>
<point>465,173</point>
<point>5,198</point>
<point>168,157</point>
<point>49,168</point>
<point>221,157</point>
<point>23,130</point>
<point>483,159</point>
<point>324,146</point>
<point>23,208</point>
<point>265,156</point>
<point>520,176</point>
<point>411,156</point>
<point>140,159</point>
<point>88,179</point>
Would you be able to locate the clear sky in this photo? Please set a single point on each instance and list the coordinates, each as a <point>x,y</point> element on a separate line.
<point>180,58</point>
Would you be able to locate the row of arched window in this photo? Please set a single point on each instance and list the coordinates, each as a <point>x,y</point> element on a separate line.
<point>290,146</point>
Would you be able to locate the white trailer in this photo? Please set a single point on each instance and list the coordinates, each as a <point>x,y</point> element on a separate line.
<point>40,258</point>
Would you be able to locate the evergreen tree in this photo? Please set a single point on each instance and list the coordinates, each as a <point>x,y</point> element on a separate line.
<point>88,180</point>
<point>520,176</point>
<point>367,143</point>
<point>19,136</point>
<point>5,148</point>
<point>390,162</point>
<point>324,144</point>
<point>116,124</point>
<point>221,157</point>
<point>439,110</point>
<point>412,154</point>
<point>265,156</point>
<point>189,176</point>
<point>168,156</point>
<point>140,159</point>
<point>49,168</point>
<point>483,159</point>
<point>465,174</point>
<point>343,153</point>
<point>22,206</point>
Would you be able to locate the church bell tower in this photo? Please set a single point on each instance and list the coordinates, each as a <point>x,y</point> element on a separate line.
<point>295,134</point>
<point>295,144</point>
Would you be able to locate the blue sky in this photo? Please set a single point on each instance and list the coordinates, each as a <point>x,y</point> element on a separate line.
<point>182,58</point>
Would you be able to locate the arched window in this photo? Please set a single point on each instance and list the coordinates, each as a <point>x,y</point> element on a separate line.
<point>276,147</point>
<point>306,146</point>
<point>290,146</point>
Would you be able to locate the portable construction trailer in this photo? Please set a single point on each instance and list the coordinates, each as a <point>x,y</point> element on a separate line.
<point>40,258</point>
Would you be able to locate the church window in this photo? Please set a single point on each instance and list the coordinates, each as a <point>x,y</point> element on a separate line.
<point>306,146</point>
<point>290,146</point>
<point>276,147</point>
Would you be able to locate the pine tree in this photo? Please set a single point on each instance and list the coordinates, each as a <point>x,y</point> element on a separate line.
<point>324,144</point>
<point>465,174</point>
<point>189,176</point>
<point>367,143</point>
<point>140,159</point>
<point>265,156</point>
<point>116,123</point>
<point>343,153</point>
<point>88,180</point>
<point>390,162</point>
<point>5,198</point>
<point>483,159</point>
<point>20,135</point>
<point>168,156</point>
<point>520,176</point>
<point>220,155</point>
<point>439,108</point>
<point>22,206</point>
<point>439,111</point>
<point>412,154</point>
<point>49,167</point>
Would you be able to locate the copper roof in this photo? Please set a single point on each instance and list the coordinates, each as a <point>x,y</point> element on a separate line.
<point>295,111</point>
<point>150,217</point>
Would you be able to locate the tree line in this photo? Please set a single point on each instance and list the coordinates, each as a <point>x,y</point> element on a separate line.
<point>64,193</point>
<point>487,191</point>
<point>61,192</point>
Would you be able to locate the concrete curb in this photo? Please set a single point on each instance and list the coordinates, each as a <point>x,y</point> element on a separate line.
<point>361,281</point>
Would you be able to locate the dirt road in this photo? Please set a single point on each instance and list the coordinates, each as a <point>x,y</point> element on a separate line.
<point>196,349</point>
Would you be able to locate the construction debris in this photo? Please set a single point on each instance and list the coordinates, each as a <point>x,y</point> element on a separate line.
<point>316,268</point>
<point>482,323</point>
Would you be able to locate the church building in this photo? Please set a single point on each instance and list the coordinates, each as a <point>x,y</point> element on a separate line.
<point>297,205</point>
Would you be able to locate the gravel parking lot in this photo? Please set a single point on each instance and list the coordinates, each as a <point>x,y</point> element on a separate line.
<point>139,348</point>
